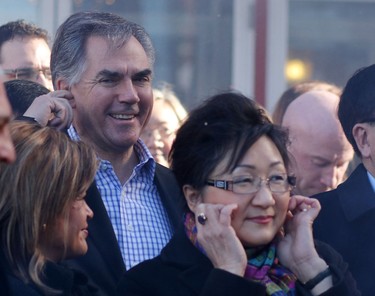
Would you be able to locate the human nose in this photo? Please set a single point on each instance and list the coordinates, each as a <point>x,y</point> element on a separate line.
<point>330,177</point>
<point>43,80</point>
<point>153,138</point>
<point>90,213</point>
<point>7,151</point>
<point>263,197</point>
<point>128,93</point>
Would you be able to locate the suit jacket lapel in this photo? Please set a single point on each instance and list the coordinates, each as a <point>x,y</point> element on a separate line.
<point>170,194</point>
<point>356,194</point>
<point>102,234</point>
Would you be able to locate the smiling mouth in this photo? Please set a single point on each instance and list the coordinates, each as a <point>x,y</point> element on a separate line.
<point>261,219</point>
<point>122,116</point>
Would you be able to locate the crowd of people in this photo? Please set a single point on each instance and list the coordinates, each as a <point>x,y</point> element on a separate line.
<point>109,186</point>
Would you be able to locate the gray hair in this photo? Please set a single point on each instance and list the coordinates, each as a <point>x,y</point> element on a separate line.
<point>68,57</point>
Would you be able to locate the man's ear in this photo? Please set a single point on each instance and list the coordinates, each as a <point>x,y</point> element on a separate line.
<point>61,84</point>
<point>360,134</point>
<point>192,196</point>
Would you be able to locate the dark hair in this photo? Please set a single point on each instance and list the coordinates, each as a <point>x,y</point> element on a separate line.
<point>68,57</point>
<point>225,123</point>
<point>292,93</point>
<point>21,93</point>
<point>357,103</point>
<point>21,29</point>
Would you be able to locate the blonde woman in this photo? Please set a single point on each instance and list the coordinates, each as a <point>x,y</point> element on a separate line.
<point>43,213</point>
<point>167,115</point>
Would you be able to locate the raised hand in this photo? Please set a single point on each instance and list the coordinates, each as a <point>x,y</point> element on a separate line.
<point>52,109</point>
<point>219,239</point>
<point>296,248</point>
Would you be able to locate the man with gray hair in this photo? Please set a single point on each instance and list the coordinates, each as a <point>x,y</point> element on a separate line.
<point>106,63</point>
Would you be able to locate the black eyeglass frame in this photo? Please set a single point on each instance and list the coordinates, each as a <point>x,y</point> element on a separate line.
<point>228,184</point>
<point>29,73</point>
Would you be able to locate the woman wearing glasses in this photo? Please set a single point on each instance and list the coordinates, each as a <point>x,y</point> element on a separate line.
<point>242,234</point>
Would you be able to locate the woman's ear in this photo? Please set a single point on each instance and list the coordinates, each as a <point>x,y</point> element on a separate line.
<point>192,196</point>
<point>360,134</point>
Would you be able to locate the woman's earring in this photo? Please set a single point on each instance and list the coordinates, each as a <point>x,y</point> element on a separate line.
<point>44,227</point>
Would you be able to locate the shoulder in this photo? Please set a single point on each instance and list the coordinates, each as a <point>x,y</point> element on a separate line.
<point>15,286</point>
<point>68,280</point>
<point>326,196</point>
<point>163,171</point>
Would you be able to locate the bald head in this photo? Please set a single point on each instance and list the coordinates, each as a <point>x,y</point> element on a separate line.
<point>314,113</point>
<point>318,144</point>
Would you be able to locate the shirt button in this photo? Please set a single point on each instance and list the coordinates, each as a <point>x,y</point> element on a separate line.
<point>129,227</point>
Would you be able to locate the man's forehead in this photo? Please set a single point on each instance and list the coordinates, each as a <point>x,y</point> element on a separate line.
<point>310,108</point>
<point>101,52</point>
<point>327,153</point>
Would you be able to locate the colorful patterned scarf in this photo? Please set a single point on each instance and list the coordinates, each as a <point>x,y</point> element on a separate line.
<point>263,265</point>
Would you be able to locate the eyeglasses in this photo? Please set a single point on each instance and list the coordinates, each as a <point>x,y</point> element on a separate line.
<point>163,131</point>
<point>280,183</point>
<point>28,73</point>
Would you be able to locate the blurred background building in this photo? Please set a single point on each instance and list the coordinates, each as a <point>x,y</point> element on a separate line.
<point>259,47</point>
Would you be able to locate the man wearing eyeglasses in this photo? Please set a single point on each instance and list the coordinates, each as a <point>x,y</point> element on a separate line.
<point>347,217</point>
<point>7,151</point>
<point>25,53</point>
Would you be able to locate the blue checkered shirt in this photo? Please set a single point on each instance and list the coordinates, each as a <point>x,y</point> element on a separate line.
<point>138,217</point>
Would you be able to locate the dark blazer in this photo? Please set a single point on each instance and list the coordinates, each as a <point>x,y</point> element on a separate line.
<point>181,270</point>
<point>68,282</point>
<point>103,263</point>
<point>347,222</point>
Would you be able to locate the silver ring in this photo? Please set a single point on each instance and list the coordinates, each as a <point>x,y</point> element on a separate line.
<point>202,218</point>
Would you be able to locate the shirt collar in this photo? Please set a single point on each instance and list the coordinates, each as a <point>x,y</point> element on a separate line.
<point>372,180</point>
<point>144,155</point>
<point>73,133</point>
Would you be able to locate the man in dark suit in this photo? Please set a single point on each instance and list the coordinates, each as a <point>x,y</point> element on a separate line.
<point>347,218</point>
<point>105,62</point>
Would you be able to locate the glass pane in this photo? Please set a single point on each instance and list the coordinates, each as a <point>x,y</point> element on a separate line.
<point>331,38</point>
<point>19,9</point>
<point>192,38</point>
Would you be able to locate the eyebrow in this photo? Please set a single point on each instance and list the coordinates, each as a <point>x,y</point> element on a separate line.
<point>143,73</point>
<point>108,73</point>
<point>273,164</point>
<point>320,158</point>
<point>116,74</point>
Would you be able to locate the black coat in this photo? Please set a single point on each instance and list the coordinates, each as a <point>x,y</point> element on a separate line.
<point>69,282</point>
<point>347,222</point>
<point>103,263</point>
<point>181,270</point>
